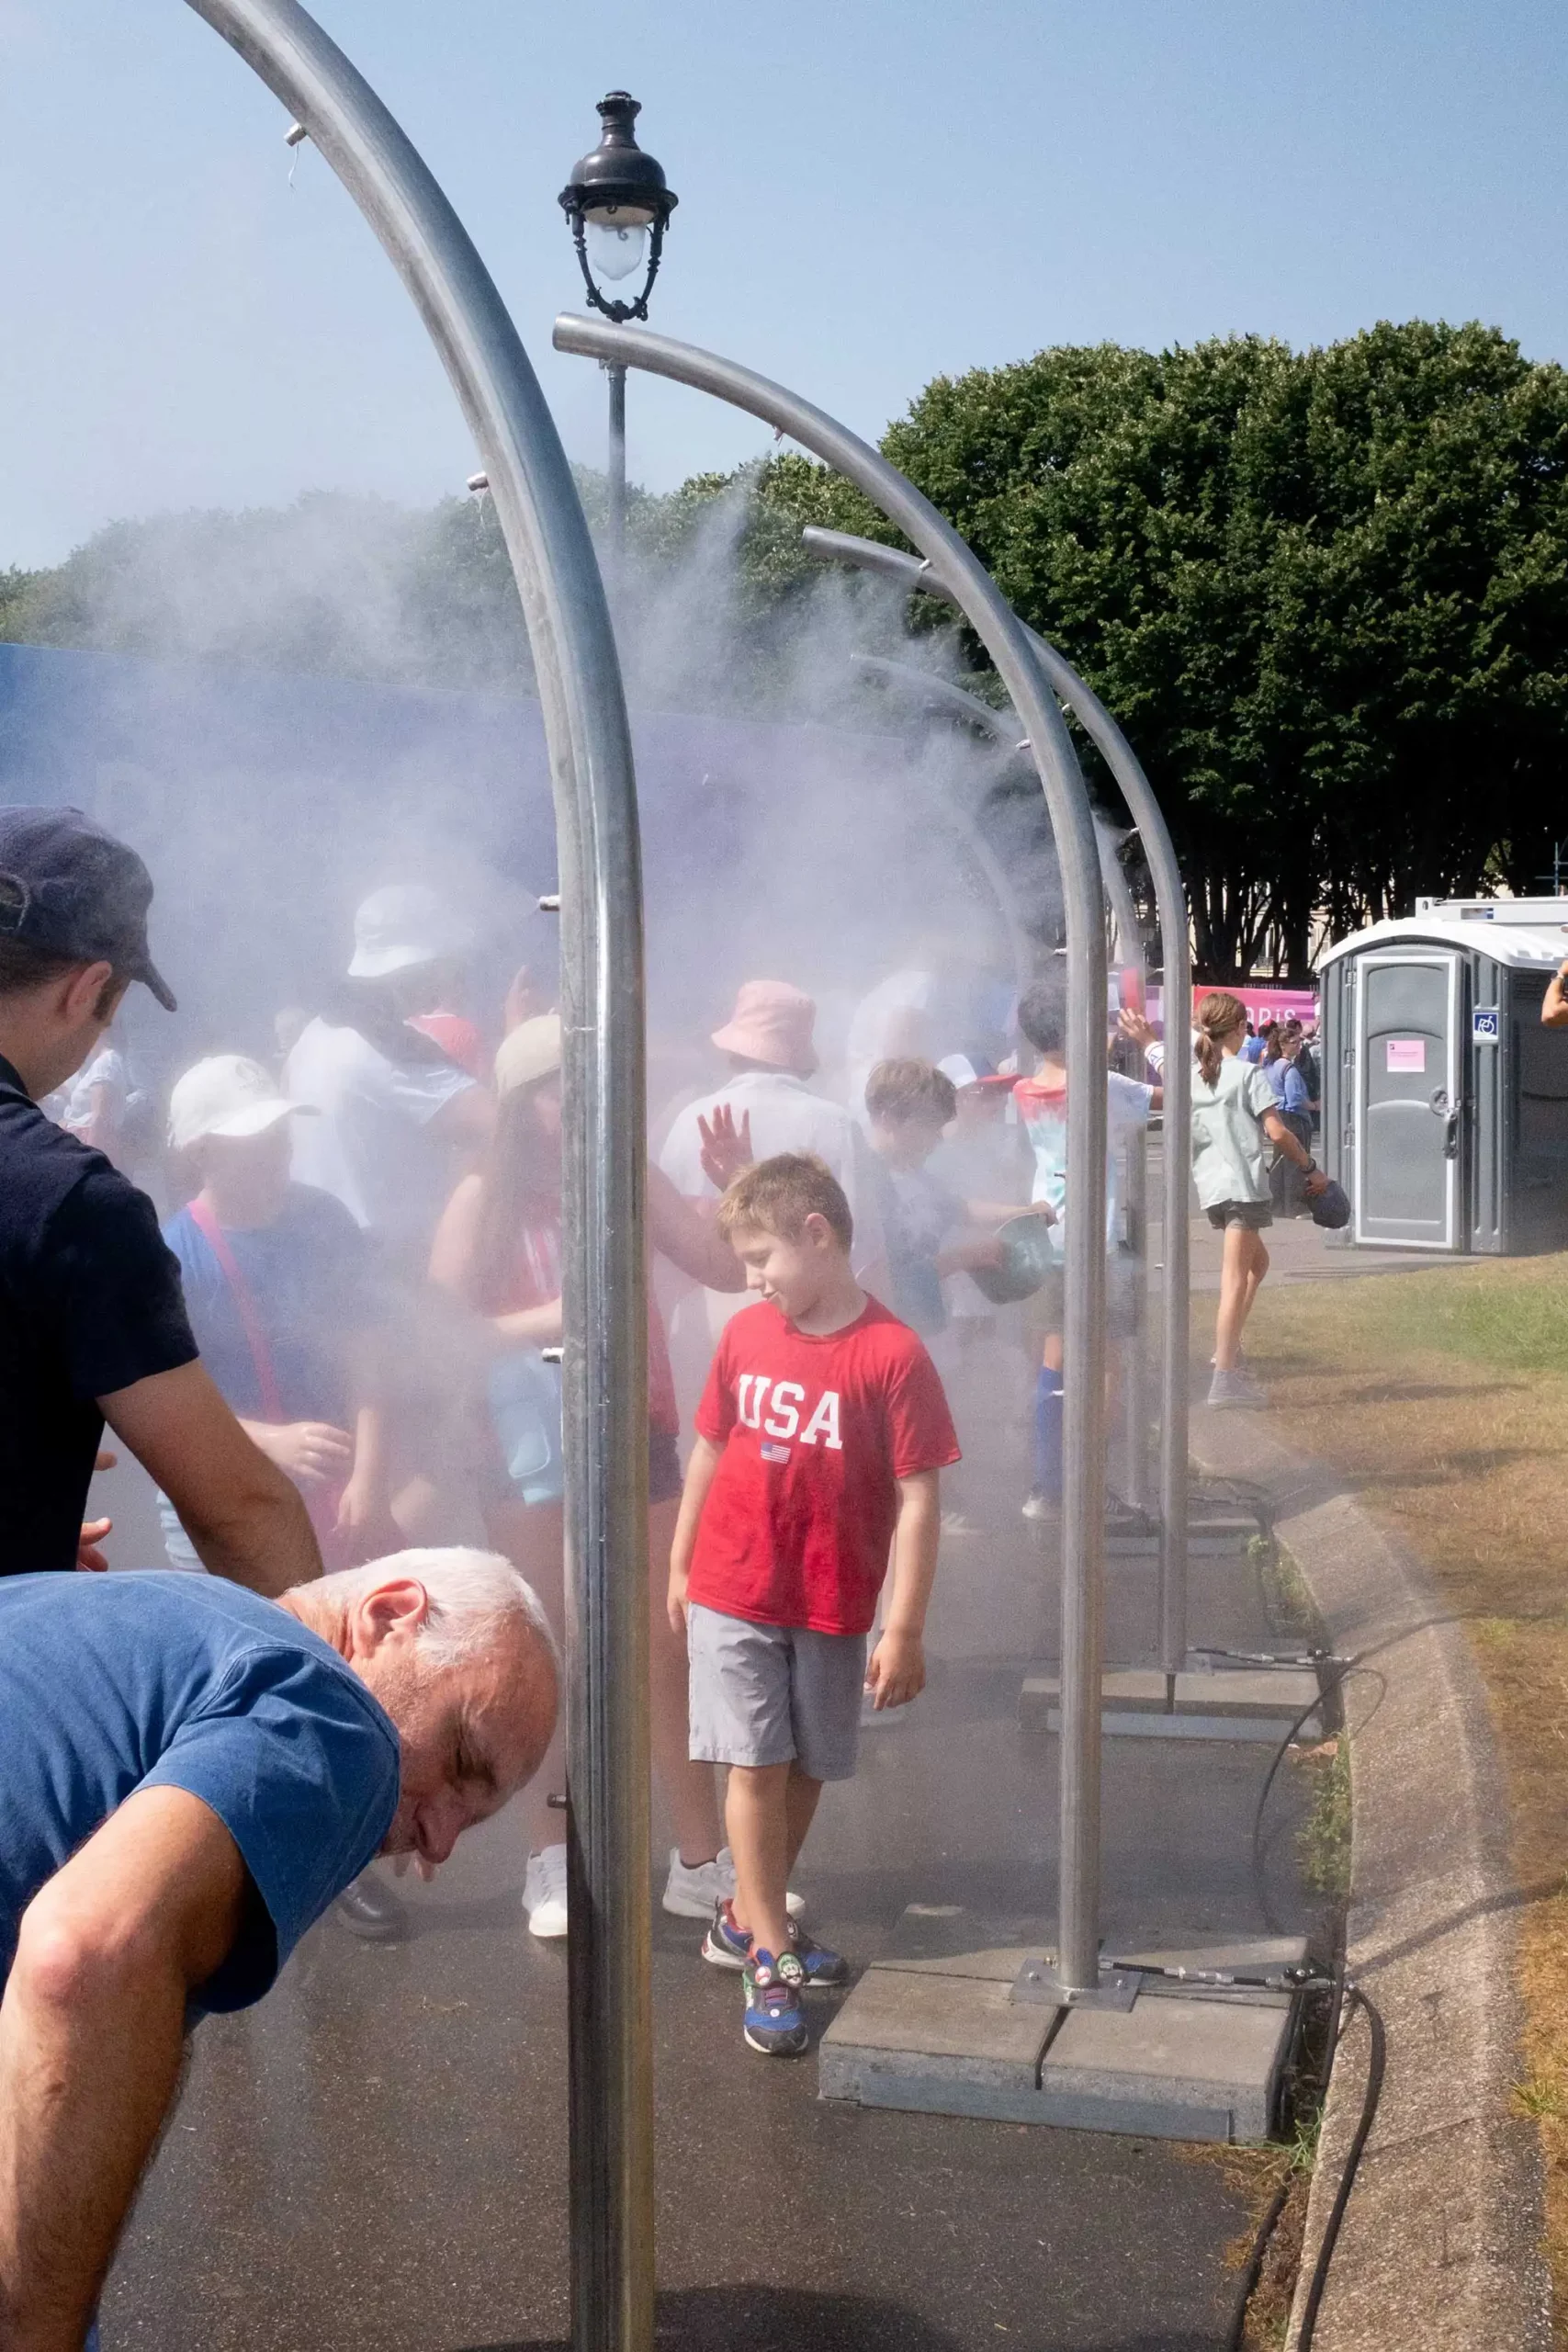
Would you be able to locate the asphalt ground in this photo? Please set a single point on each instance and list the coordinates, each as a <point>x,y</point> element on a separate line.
<point>375,2156</point>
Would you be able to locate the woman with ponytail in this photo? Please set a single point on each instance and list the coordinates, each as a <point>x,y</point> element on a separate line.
<point>1235,1114</point>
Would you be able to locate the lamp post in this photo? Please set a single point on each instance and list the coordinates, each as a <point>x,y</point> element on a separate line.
<point>618,207</point>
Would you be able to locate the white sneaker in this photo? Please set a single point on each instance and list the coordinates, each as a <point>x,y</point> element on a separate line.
<point>692,1889</point>
<point>1237,1388</point>
<point>543,1894</point>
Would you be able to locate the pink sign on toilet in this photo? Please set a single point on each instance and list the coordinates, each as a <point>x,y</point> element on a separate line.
<point>1407,1053</point>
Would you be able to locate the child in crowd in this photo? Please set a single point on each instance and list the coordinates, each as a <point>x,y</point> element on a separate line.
<point>277,1283</point>
<point>1043,1107</point>
<point>498,1250</point>
<point>909,1106</point>
<point>820,1441</point>
<point>1233,1109</point>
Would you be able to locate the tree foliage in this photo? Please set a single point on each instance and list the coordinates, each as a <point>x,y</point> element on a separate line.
<point>1325,593</point>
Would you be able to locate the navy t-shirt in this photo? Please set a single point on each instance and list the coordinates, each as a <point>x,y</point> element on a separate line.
<point>89,1303</point>
<point>308,1276</point>
<point>163,1679</point>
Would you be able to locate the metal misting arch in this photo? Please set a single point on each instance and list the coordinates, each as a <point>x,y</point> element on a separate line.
<point>942,695</point>
<point>956,573</point>
<point>605,1371</point>
<point>1176,980</point>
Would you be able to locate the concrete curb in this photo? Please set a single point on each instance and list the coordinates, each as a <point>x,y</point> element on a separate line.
<point>1440,2246</point>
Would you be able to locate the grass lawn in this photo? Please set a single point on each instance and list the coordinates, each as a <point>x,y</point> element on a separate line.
<point>1442,1400</point>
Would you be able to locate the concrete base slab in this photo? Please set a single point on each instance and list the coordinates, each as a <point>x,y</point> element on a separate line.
<point>1228,1703</point>
<point>932,2027</point>
<point>1261,1729</point>
<point>1202,1544</point>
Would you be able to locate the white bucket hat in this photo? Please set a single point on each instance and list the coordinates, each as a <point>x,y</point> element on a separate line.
<point>227,1094</point>
<point>528,1053</point>
<point>404,927</point>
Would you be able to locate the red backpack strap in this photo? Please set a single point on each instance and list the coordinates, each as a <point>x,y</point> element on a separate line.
<point>246,1307</point>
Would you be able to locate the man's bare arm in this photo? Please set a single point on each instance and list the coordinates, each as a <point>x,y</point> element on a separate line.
<point>1554,1008</point>
<point>91,2028</point>
<point>245,1518</point>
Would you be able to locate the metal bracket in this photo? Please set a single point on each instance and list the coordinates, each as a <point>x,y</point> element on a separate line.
<point>1037,1986</point>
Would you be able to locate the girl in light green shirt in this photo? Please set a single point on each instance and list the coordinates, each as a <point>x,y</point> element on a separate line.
<point>1234,1116</point>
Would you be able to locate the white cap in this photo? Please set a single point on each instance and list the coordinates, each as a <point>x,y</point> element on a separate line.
<point>400,927</point>
<point>528,1053</point>
<point>228,1094</point>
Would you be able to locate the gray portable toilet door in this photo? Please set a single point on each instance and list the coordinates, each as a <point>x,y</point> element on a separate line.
<point>1408,1003</point>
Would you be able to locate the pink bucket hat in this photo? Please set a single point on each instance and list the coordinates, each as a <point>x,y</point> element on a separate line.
<point>771,1023</point>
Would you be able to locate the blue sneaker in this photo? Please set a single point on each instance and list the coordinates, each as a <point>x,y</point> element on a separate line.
<point>725,1946</point>
<point>774,2022</point>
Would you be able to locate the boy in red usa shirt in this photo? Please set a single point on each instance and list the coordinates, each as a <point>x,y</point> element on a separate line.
<point>819,1440</point>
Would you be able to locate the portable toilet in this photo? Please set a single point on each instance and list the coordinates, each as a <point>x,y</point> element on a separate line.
<point>1445,1102</point>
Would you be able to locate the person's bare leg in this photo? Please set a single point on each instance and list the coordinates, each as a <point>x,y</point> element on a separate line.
<point>1257,1268</point>
<point>532,1537</point>
<point>801,1795</point>
<point>1236,1267</point>
<point>757,1815</point>
<point>689,1789</point>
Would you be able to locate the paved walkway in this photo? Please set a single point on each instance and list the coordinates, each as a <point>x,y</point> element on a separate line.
<point>375,2156</point>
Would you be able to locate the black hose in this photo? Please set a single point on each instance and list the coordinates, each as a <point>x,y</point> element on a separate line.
<point>1236,2336</point>
<point>1376,2060</point>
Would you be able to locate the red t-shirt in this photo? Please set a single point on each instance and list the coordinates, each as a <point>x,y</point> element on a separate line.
<point>816,1434</point>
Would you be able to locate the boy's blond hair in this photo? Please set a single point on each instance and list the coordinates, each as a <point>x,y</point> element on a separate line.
<point>777,1196</point>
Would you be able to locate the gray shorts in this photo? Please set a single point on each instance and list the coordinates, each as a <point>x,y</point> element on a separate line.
<point>773,1694</point>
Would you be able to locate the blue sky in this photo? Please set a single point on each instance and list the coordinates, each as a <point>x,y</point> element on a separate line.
<point>873,192</point>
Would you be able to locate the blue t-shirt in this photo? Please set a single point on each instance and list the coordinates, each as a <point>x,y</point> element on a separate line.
<point>307,1273</point>
<point>1290,1087</point>
<point>918,1214</point>
<point>159,1679</point>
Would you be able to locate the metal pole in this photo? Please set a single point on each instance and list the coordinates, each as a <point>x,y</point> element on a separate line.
<point>615,524</point>
<point>941,695</point>
<point>959,576</point>
<point>605,1370</point>
<point>1176,978</point>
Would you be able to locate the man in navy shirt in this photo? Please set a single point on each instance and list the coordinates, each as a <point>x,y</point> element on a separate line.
<point>92,1325</point>
<point>189,1776</point>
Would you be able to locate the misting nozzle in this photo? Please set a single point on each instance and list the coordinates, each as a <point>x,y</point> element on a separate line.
<point>551,903</point>
<point>479,481</point>
<point>295,133</point>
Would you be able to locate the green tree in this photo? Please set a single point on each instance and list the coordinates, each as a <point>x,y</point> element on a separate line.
<point>1325,593</point>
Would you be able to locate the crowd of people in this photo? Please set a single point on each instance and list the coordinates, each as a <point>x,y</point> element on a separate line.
<point>337,1355</point>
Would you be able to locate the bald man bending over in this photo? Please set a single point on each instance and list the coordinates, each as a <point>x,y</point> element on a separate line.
<point>189,1774</point>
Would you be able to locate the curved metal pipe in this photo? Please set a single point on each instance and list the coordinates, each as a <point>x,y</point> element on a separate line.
<point>1176,974</point>
<point>605,1370</point>
<point>960,577</point>
<point>939,694</point>
<point>942,695</point>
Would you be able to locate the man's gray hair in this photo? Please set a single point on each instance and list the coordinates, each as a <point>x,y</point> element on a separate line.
<point>474,1596</point>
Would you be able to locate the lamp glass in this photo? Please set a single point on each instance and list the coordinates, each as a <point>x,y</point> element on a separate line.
<point>616,246</point>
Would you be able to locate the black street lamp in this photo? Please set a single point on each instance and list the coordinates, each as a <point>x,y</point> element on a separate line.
<point>618,207</point>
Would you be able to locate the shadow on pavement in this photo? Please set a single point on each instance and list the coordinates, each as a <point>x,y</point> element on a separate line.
<point>783,2319</point>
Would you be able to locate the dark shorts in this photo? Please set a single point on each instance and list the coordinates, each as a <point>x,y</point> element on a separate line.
<point>1252,1216</point>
